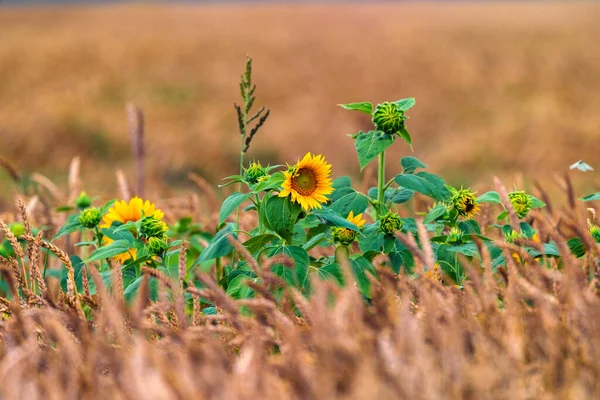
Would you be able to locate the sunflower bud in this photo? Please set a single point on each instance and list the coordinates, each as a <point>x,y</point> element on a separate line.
<point>157,246</point>
<point>455,236</point>
<point>344,236</point>
<point>83,201</point>
<point>513,235</point>
<point>390,223</point>
<point>90,218</point>
<point>255,173</point>
<point>388,118</point>
<point>521,203</point>
<point>464,203</point>
<point>152,227</point>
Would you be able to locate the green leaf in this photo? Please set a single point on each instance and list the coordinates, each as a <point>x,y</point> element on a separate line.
<point>355,202</point>
<point>274,182</point>
<point>406,104</point>
<point>219,246</point>
<point>468,249</point>
<point>314,241</point>
<point>258,242</point>
<point>576,247</point>
<point>364,106</point>
<point>490,197</point>
<point>281,214</point>
<point>502,216</point>
<point>402,195</point>
<point>536,203</point>
<point>118,234</point>
<point>297,276</point>
<point>342,182</point>
<point>436,212</point>
<point>331,272</point>
<point>591,197</point>
<point>410,164</point>
<point>232,202</point>
<point>403,133</point>
<point>425,183</point>
<point>115,248</point>
<point>369,145</point>
<point>360,267</point>
<point>334,219</point>
<point>73,224</point>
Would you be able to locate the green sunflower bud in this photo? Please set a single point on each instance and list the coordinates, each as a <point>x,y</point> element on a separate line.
<point>152,227</point>
<point>514,235</point>
<point>455,236</point>
<point>83,201</point>
<point>390,223</point>
<point>388,118</point>
<point>344,236</point>
<point>255,173</point>
<point>464,202</point>
<point>157,246</point>
<point>595,231</point>
<point>521,203</point>
<point>90,218</point>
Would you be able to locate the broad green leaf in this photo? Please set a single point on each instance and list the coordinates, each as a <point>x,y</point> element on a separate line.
<point>296,276</point>
<point>77,268</point>
<point>115,248</point>
<point>238,289</point>
<point>468,249</point>
<point>342,182</point>
<point>489,197</point>
<point>339,193</point>
<point>219,246</point>
<point>232,202</point>
<point>364,106</point>
<point>402,195</point>
<point>470,226</point>
<point>436,212</point>
<point>334,219</point>
<point>360,267</point>
<point>314,241</point>
<point>332,272</point>
<point>591,197</point>
<point>132,289</point>
<point>258,242</point>
<point>406,104</point>
<point>576,247</point>
<point>70,226</point>
<point>281,214</point>
<point>410,164</point>
<point>355,202</point>
<point>425,183</point>
<point>369,145</point>
<point>118,234</point>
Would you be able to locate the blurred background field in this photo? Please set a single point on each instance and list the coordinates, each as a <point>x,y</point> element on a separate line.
<point>501,89</point>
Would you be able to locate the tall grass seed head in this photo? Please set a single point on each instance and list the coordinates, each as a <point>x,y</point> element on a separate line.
<point>152,227</point>
<point>83,201</point>
<point>90,218</point>
<point>520,202</point>
<point>464,202</point>
<point>157,246</point>
<point>388,118</point>
<point>254,173</point>
<point>390,223</point>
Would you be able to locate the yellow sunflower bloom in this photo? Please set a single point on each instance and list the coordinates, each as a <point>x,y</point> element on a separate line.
<point>308,182</point>
<point>124,212</point>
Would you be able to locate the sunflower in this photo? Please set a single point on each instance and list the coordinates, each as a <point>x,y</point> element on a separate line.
<point>125,212</point>
<point>356,219</point>
<point>347,236</point>
<point>308,182</point>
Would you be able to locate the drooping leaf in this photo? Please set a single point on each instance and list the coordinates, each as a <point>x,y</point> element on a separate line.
<point>402,195</point>
<point>73,224</point>
<point>370,144</point>
<point>334,219</point>
<point>403,133</point>
<point>232,202</point>
<point>425,183</point>
<point>355,202</point>
<point>436,212</point>
<point>219,246</point>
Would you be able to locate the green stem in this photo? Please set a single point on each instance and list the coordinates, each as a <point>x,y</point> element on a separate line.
<point>381,184</point>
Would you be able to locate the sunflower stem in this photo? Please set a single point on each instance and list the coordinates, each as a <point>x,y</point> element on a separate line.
<point>381,184</point>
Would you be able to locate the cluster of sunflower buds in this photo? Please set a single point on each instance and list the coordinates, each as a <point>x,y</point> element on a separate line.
<point>455,236</point>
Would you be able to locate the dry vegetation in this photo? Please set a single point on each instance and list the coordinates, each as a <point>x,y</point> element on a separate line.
<point>500,87</point>
<point>529,332</point>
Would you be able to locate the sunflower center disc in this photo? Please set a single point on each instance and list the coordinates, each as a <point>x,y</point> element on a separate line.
<point>305,182</point>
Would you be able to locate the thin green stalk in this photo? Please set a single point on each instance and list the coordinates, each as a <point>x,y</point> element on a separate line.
<point>381,184</point>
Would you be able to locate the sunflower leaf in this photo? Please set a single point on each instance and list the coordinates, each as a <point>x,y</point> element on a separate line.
<point>115,248</point>
<point>355,202</point>
<point>334,219</point>
<point>364,106</point>
<point>281,214</point>
<point>232,202</point>
<point>369,145</point>
<point>274,182</point>
<point>219,246</point>
<point>425,183</point>
<point>73,224</point>
<point>406,104</point>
